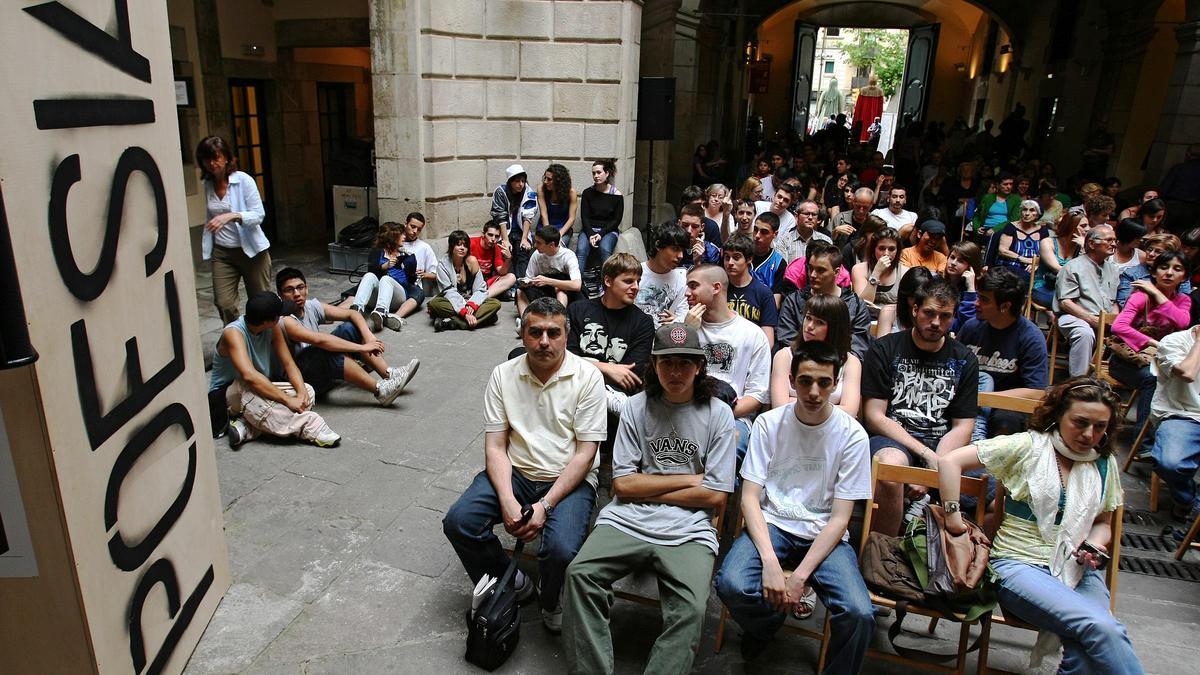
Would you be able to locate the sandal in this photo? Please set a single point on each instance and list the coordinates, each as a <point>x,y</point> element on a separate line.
<point>808,603</point>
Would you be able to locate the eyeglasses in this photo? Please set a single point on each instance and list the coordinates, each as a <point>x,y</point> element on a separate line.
<point>294,289</point>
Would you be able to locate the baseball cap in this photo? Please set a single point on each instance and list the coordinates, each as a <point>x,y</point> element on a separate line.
<point>933,227</point>
<point>513,171</point>
<point>676,338</point>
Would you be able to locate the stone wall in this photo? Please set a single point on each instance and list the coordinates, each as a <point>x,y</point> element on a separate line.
<point>464,88</point>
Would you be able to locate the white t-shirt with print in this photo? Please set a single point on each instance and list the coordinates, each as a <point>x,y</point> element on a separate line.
<point>803,468</point>
<point>562,262</point>
<point>659,292</point>
<point>738,353</point>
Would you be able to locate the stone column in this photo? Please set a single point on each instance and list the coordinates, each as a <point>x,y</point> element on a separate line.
<point>212,67</point>
<point>464,88</point>
<point>1179,124</point>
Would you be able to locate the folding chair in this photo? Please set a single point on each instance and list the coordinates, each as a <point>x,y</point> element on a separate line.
<point>1189,540</point>
<point>823,635</point>
<point>1155,482</point>
<point>1028,310</point>
<point>977,487</point>
<point>1019,404</point>
<point>635,587</point>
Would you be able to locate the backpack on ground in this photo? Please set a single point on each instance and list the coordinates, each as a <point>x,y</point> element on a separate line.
<point>359,234</point>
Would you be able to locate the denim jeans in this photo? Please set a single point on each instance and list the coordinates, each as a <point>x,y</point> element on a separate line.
<point>743,426</point>
<point>583,248</point>
<point>468,525</point>
<point>986,383</point>
<point>1177,455</point>
<point>1093,640</point>
<point>520,256</point>
<point>837,582</point>
<point>1139,379</point>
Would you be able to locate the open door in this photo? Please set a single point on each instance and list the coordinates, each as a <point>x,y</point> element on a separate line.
<point>802,62</point>
<point>918,71</point>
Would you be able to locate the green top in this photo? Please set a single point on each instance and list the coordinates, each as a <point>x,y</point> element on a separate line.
<point>1011,460</point>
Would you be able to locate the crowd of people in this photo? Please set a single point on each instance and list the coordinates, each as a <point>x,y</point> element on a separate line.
<point>774,341</point>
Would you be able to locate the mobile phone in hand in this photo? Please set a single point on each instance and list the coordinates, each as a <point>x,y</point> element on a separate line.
<point>1100,556</point>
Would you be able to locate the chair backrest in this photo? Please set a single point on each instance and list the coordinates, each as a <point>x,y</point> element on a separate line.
<point>1020,404</point>
<point>1098,362</point>
<point>891,473</point>
<point>1037,260</point>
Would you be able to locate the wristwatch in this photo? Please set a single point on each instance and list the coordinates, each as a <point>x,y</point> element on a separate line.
<point>873,280</point>
<point>951,507</point>
<point>546,505</point>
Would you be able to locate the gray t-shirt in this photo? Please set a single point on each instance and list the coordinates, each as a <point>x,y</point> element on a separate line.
<point>314,316</point>
<point>658,437</point>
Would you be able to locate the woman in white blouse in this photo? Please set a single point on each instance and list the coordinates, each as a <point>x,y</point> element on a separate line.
<point>233,240</point>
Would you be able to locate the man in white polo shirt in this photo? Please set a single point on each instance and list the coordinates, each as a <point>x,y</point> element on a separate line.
<point>544,416</point>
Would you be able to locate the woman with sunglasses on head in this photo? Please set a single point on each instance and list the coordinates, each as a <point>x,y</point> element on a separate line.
<point>1063,486</point>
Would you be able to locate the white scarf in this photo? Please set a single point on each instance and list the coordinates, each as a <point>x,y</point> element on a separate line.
<point>1085,492</point>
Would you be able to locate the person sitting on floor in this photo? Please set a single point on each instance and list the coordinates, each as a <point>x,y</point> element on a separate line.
<point>807,465</point>
<point>553,271</point>
<point>462,301</point>
<point>426,280</point>
<point>391,275</point>
<point>248,351</point>
<point>321,357</point>
<point>493,255</point>
<point>1063,486</point>
<point>673,468</point>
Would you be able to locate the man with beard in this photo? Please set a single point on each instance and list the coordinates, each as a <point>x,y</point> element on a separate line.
<point>612,332</point>
<point>920,393</point>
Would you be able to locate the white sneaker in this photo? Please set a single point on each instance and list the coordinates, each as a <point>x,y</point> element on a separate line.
<point>376,321</point>
<point>404,373</point>
<point>239,432</point>
<point>325,438</point>
<point>916,509</point>
<point>616,399</point>
<point>387,390</point>
<point>393,322</point>
<point>552,619</point>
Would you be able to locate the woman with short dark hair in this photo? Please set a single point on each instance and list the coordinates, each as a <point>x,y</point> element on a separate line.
<point>462,300</point>
<point>233,239</point>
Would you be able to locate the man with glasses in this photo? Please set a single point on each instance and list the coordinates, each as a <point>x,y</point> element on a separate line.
<point>792,244</point>
<point>494,256</point>
<point>1086,286</point>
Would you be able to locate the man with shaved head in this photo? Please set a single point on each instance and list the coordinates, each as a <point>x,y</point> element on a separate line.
<point>849,227</point>
<point>737,351</point>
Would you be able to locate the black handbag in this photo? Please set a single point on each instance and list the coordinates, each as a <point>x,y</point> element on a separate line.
<point>494,629</point>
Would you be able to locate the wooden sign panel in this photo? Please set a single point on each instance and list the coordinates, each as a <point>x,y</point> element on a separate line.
<point>92,188</point>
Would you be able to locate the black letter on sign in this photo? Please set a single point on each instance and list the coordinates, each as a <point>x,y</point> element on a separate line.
<point>118,51</point>
<point>89,286</point>
<point>74,113</point>
<point>129,558</point>
<point>163,572</point>
<point>101,426</point>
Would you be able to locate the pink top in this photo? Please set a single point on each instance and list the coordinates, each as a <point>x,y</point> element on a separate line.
<point>1172,315</point>
<point>795,273</point>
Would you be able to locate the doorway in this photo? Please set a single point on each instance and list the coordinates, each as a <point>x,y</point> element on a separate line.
<point>248,113</point>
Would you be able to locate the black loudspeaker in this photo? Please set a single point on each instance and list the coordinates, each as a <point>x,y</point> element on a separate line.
<point>656,109</point>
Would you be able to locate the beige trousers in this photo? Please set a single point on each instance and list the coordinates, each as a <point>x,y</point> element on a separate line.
<point>231,265</point>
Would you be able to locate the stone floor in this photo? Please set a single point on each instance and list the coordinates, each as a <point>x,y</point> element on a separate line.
<point>340,566</point>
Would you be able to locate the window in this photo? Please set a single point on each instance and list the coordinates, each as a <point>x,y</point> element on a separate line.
<point>829,67</point>
<point>833,32</point>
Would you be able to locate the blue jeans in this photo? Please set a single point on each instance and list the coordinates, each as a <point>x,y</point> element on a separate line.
<point>837,582</point>
<point>1139,379</point>
<point>468,525</point>
<point>743,427</point>
<point>1093,640</point>
<point>986,383</point>
<point>1177,455</point>
<point>583,248</point>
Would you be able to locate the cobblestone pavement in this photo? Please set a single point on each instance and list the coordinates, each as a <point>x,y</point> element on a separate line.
<point>340,566</point>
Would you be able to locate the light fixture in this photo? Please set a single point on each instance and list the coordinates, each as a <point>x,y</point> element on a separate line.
<point>250,49</point>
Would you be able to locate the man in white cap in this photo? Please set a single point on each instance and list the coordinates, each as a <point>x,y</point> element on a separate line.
<point>516,205</point>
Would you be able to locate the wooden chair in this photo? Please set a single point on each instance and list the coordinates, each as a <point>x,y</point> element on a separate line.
<point>1155,482</point>
<point>1110,579</point>
<point>1028,310</point>
<point>1189,540</point>
<point>977,487</point>
<point>1100,366</point>
<point>637,587</point>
